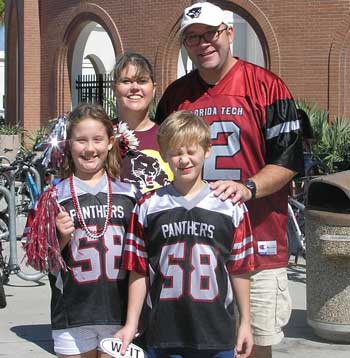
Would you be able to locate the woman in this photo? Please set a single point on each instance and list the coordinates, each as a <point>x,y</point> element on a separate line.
<point>134,88</point>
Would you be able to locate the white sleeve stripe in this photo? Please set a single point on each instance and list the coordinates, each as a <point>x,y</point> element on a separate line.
<point>246,241</point>
<point>285,127</point>
<point>135,239</point>
<point>133,249</point>
<point>242,255</point>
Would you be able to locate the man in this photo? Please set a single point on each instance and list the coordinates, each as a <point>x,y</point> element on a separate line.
<point>256,151</point>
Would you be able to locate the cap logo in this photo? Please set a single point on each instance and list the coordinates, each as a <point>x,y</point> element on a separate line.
<point>194,13</point>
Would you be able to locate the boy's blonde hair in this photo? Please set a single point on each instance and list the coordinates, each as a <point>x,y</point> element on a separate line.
<point>183,128</point>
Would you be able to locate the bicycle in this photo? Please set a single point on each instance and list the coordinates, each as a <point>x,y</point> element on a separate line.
<point>296,208</point>
<point>295,229</point>
<point>27,182</point>
<point>9,263</point>
<point>4,232</point>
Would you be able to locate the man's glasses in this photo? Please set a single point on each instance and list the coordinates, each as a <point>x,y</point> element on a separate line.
<point>208,36</point>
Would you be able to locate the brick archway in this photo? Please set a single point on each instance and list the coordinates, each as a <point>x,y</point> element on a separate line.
<point>169,47</point>
<point>338,71</point>
<point>84,14</point>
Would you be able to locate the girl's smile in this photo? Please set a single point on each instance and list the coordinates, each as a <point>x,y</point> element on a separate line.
<point>89,148</point>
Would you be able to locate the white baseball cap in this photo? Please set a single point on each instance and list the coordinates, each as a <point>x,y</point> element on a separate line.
<point>204,13</point>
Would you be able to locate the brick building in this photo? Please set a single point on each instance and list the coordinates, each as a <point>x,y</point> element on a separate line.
<point>306,42</point>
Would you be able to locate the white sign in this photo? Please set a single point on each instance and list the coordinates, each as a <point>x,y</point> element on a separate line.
<point>113,346</point>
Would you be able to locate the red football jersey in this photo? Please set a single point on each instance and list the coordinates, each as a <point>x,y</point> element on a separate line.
<point>253,122</point>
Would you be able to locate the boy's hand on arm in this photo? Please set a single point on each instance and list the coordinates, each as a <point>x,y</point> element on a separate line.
<point>126,335</point>
<point>245,343</point>
<point>65,228</point>
<point>137,294</point>
<point>241,286</point>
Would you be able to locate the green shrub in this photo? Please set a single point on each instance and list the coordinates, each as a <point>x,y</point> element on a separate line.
<point>332,138</point>
<point>11,130</point>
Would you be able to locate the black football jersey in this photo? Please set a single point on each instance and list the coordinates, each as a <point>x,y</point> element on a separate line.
<point>94,289</point>
<point>189,249</point>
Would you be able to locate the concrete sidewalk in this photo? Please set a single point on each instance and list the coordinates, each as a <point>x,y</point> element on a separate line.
<point>25,324</point>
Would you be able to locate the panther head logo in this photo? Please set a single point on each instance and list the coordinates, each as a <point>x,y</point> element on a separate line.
<point>194,13</point>
<point>145,171</point>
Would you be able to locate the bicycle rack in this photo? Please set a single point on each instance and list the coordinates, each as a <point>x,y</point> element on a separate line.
<point>13,260</point>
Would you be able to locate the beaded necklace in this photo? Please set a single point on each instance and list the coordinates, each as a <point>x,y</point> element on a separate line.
<point>92,234</point>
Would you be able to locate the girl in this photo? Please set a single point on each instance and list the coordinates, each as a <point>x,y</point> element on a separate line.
<point>89,299</point>
<point>134,88</point>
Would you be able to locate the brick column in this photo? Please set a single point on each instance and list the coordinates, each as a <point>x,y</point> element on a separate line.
<point>30,86</point>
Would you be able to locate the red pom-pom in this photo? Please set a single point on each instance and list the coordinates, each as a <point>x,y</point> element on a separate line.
<point>42,247</point>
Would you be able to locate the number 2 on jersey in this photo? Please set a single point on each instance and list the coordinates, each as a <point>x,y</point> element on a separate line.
<point>201,280</point>
<point>231,148</point>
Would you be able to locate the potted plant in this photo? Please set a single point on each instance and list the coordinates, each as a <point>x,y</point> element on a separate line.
<point>10,140</point>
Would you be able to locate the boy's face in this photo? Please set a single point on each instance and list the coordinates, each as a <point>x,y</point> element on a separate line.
<point>186,163</point>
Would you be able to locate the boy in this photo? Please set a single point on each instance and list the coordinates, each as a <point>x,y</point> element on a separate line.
<point>196,249</point>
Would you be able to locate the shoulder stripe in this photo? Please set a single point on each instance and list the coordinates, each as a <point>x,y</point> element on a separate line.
<point>285,127</point>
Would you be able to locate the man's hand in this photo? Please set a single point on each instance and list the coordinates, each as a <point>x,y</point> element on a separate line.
<point>229,189</point>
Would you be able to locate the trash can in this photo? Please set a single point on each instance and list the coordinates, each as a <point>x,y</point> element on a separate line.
<point>327,229</point>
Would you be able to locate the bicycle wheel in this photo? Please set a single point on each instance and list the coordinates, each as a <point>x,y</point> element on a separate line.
<point>4,226</point>
<point>2,294</point>
<point>5,180</point>
<point>4,247</point>
<point>3,235</point>
<point>23,199</point>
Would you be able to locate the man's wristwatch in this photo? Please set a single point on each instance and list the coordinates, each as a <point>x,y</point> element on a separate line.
<point>251,186</point>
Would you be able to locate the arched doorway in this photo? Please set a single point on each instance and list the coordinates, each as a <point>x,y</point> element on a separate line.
<point>89,46</point>
<point>92,62</point>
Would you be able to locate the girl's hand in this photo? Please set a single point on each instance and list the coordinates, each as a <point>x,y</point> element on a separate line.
<point>126,335</point>
<point>244,344</point>
<point>65,228</point>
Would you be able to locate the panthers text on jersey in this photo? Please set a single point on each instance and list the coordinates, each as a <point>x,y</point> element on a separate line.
<point>253,122</point>
<point>189,249</point>
<point>94,289</point>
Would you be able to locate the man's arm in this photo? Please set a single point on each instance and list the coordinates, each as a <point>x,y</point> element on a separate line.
<point>241,286</point>
<point>268,180</point>
<point>137,294</point>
